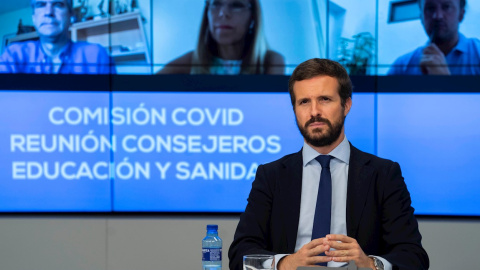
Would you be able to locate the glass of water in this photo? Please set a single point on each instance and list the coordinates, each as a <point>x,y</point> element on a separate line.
<point>258,262</point>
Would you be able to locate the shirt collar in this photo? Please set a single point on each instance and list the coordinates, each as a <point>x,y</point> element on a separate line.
<point>64,54</point>
<point>462,44</point>
<point>341,152</point>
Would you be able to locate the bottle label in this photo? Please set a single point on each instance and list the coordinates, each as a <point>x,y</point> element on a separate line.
<point>211,254</point>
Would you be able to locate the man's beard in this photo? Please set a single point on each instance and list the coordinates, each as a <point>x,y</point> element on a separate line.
<point>318,140</point>
<point>440,34</point>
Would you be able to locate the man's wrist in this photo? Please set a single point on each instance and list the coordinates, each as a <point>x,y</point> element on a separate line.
<point>377,263</point>
<point>371,263</point>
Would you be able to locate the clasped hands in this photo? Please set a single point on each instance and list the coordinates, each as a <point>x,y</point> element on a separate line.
<point>346,249</point>
<point>433,62</point>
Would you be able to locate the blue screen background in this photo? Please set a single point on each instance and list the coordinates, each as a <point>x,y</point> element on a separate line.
<point>433,136</point>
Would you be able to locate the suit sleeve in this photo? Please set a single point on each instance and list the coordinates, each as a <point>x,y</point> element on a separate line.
<point>252,235</point>
<point>400,232</point>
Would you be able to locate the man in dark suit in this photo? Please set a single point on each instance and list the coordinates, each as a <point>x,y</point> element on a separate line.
<point>371,220</point>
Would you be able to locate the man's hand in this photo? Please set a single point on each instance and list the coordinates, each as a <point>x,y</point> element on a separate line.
<point>347,249</point>
<point>305,256</point>
<point>433,61</point>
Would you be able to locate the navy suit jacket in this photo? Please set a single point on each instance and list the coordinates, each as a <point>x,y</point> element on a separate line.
<point>379,212</point>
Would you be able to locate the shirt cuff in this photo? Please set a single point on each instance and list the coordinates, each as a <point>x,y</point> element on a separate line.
<point>278,257</point>
<point>386,264</point>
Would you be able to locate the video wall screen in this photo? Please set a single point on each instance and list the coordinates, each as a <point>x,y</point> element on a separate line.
<point>181,137</point>
<point>192,143</point>
<point>230,37</point>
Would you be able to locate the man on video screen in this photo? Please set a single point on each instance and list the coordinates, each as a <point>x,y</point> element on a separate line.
<point>447,52</point>
<point>54,52</point>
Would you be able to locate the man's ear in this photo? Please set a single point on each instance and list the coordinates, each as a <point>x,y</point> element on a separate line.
<point>348,106</point>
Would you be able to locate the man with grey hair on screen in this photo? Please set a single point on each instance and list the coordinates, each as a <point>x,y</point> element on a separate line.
<point>447,51</point>
<point>54,52</point>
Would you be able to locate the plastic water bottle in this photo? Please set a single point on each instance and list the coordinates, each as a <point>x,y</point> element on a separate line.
<point>212,249</point>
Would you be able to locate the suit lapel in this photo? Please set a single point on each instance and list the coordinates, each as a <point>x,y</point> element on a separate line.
<point>292,190</point>
<point>359,178</point>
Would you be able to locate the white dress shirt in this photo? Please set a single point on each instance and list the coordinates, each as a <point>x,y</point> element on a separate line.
<point>312,169</point>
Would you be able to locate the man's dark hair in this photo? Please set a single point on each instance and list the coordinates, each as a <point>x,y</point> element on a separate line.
<point>463,3</point>
<point>322,67</point>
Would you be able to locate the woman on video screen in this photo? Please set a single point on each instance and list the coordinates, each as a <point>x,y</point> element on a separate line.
<point>231,41</point>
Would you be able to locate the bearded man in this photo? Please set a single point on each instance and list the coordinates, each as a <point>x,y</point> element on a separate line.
<point>329,203</point>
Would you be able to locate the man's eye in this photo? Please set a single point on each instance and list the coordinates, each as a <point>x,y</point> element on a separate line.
<point>59,5</point>
<point>40,4</point>
<point>430,9</point>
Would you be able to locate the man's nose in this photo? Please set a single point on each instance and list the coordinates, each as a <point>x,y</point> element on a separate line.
<point>437,14</point>
<point>315,109</point>
<point>49,9</point>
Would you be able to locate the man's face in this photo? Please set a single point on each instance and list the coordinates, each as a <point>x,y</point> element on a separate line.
<point>51,18</point>
<point>441,19</point>
<point>318,110</point>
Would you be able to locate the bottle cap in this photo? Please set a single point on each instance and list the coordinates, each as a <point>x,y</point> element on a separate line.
<point>212,227</point>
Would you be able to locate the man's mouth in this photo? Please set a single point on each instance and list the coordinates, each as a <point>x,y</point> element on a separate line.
<point>49,23</point>
<point>317,122</point>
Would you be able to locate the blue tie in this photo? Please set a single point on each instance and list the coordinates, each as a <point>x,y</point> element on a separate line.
<point>323,209</point>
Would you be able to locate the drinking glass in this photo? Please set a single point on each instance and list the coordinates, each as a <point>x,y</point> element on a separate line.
<point>258,262</point>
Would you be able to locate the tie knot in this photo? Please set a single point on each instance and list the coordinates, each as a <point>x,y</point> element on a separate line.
<point>324,160</point>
